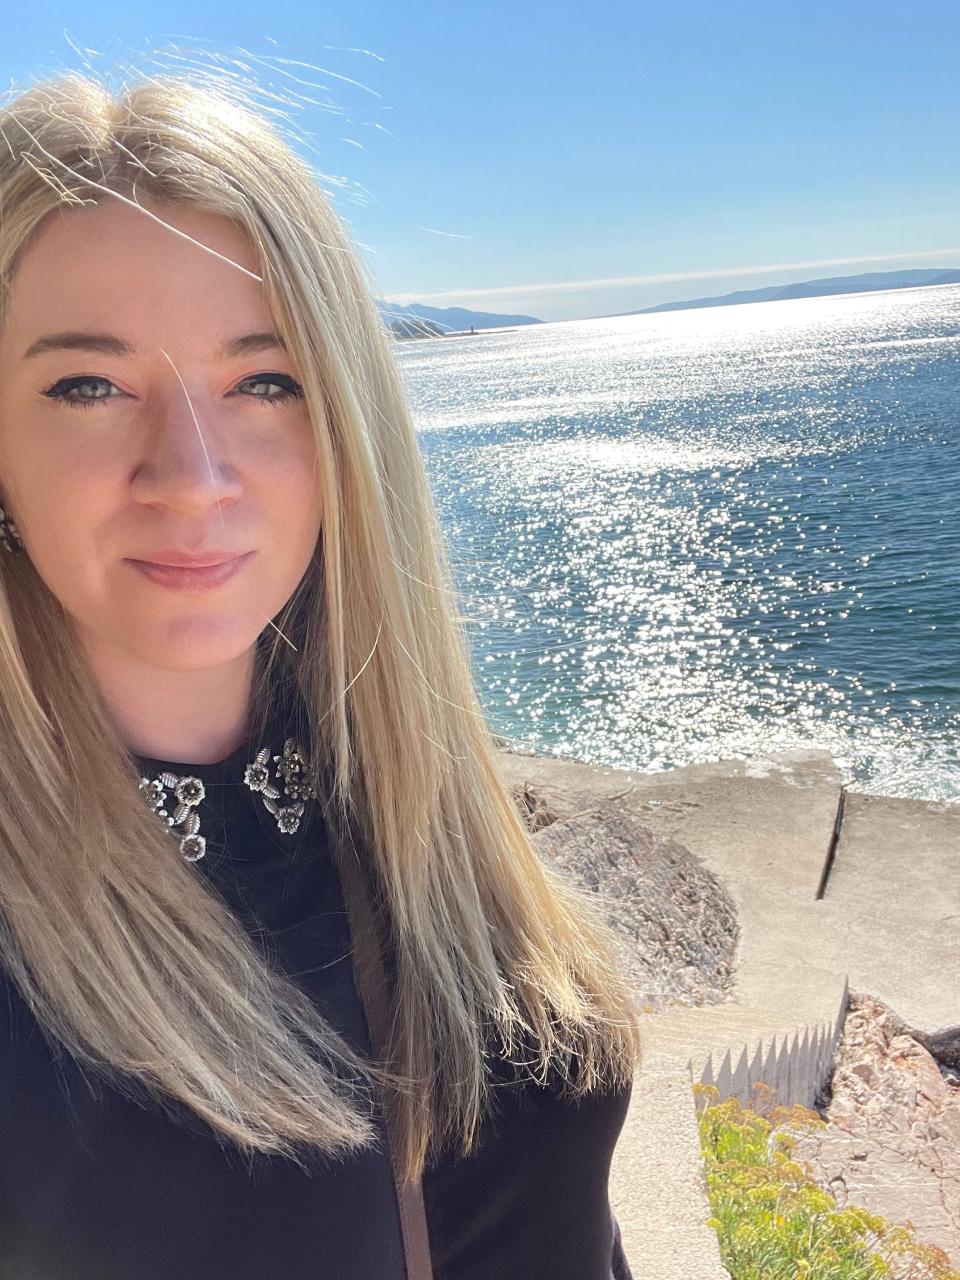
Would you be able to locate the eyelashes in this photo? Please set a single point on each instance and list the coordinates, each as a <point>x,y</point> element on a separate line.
<point>61,390</point>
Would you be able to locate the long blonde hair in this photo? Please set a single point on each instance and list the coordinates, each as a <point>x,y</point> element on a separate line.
<point>122,952</point>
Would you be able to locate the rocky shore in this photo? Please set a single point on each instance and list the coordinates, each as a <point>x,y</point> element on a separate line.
<point>746,893</point>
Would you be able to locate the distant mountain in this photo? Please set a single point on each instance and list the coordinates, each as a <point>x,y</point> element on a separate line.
<point>447,319</point>
<point>866,283</point>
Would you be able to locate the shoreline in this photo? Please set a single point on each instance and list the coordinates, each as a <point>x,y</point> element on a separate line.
<point>519,747</point>
<point>820,910</point>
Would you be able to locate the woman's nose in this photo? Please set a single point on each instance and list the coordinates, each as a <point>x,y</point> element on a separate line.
<point>186,460</point>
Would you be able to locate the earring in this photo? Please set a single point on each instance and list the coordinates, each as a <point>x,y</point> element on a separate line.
<point>9,533</point>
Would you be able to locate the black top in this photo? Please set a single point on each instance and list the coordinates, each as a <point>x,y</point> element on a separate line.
<point>97,1186</point>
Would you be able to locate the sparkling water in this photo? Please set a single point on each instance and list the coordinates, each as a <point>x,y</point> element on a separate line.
<point>708,534</point>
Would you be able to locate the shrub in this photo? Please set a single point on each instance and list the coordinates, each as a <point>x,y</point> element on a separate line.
<point>774,1221</point>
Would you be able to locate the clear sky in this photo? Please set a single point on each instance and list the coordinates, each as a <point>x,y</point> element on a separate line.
<point>577,159</point>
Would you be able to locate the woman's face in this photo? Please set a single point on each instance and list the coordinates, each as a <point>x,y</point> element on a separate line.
<point>153,436</point>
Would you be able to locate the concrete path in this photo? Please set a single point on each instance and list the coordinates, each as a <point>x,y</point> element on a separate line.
<point>889,919</point>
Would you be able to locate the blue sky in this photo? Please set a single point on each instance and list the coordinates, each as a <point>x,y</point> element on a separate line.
<point>572,160</point>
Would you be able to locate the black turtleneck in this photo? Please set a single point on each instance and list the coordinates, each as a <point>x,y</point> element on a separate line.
<point>96,1186</point>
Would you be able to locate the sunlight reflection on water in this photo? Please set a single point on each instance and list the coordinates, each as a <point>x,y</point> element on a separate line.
<point>711,534</point>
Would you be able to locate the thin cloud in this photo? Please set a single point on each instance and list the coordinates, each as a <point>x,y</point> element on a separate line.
<point>433,231</point>
<point>565,286</point>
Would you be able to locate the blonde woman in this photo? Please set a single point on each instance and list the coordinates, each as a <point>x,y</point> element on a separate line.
<point>288,991</point>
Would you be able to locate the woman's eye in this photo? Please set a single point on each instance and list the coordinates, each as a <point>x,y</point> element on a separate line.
<point>61,391</point>
<point>75,391</point>
<point>289,387</point>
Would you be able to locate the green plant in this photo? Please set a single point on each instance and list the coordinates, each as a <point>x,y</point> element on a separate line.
<point>774,1222</point>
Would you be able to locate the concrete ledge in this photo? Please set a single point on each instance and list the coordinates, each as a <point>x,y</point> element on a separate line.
<point>887,923</point>
<point>657,1188</point>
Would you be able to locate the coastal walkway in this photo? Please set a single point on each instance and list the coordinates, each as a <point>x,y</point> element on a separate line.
<point>888,924</point>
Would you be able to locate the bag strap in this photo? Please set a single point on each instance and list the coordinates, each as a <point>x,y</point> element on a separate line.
<point>371,983</point>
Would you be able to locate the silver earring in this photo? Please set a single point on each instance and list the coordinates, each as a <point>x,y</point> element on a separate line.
<point>9,533</point>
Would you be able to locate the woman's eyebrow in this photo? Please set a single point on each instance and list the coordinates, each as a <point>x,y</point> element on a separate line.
<point>107,344</point>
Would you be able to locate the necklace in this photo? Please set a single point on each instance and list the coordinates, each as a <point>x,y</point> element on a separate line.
<point>175,797</point>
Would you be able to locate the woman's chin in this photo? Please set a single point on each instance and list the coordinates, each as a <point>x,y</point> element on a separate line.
<point>190,644</point>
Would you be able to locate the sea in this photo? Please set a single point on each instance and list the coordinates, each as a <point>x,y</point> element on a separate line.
<point>711,534</point>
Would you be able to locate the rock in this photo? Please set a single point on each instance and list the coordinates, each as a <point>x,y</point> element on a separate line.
<point>866,1072</point>
<point>564,787</point>
<point>944,1045</point>
<point>677,920</point>
<point>893,1134</point>
<point>532,806</point>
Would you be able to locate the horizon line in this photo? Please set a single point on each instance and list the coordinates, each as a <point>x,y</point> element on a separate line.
<point>664,277</point>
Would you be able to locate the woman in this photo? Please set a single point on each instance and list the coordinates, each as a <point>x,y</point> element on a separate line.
<point>289,991</point>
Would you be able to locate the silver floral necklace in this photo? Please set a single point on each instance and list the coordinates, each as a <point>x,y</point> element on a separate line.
<point>175,797</point>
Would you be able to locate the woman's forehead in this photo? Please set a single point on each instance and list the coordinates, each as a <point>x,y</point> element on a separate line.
<point>117,270</point>
<point>115,215</point>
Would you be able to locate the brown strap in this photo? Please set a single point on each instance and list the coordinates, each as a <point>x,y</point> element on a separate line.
<point>371,982</point>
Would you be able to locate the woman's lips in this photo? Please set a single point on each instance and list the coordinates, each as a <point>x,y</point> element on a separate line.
<point>191,579</point>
